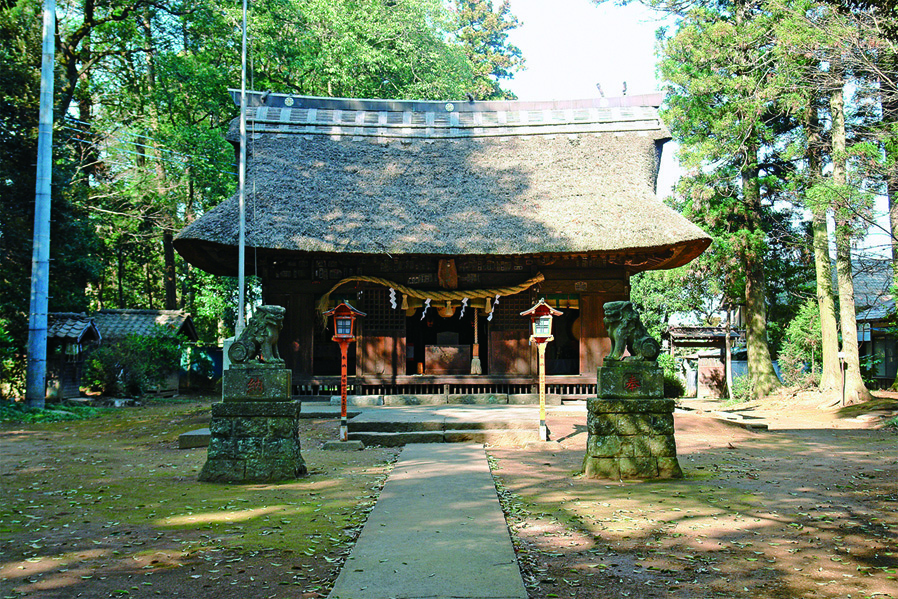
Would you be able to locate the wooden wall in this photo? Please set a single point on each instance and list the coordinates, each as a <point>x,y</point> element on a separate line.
<point>297,282</point>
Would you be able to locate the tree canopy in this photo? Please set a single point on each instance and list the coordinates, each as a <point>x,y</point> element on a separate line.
<point>141,107</point>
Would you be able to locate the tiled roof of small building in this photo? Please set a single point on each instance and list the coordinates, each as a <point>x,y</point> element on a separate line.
<point>72,327</point>
<point>115,324</point>
<point>872,282</point>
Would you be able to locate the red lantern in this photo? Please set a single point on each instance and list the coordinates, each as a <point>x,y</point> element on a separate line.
<point>541,333</point>
<point>541,316</point>
<point>344,334</point>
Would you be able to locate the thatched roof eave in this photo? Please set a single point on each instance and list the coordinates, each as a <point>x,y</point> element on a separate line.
<point>222,259</point>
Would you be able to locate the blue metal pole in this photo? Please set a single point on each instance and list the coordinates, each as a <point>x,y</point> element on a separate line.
<point>241,185</point>
<point>36,369</point>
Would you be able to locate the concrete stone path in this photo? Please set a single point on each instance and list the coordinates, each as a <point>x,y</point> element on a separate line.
<point>436,532</point>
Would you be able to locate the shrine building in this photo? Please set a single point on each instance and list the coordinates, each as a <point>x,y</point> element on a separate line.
<point>443,221</point>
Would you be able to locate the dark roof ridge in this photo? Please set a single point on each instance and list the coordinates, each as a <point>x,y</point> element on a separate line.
<point>279,100</point>
<point>138,311</point>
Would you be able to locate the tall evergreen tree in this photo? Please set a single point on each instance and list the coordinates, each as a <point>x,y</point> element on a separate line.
<point>717,67</point>
<point>483,32</point>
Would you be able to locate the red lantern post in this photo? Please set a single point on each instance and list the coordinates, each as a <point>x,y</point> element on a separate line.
<point>344,317</point>
<point>541,333</point>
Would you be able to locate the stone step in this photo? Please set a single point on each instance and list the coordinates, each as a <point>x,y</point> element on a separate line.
<point>518,436</point>
<point>193,439</point>
<point>401,426</point>
<point>396,439</point>
<point>521,399</point>
<point>489,436</point>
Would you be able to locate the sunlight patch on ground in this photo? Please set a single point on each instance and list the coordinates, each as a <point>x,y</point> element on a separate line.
<point>222,516</point>
<point>36,565</point>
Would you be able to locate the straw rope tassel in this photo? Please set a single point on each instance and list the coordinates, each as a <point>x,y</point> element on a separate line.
<point>476,368</point>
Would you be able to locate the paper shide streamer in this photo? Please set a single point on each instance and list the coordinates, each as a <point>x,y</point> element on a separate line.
<point>493,311</point>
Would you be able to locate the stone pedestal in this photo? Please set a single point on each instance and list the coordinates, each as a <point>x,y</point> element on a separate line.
<point>630,380</point>
<point>630,428</point>
<point>253,442</point>
<point>256,381</point>
<point>630,438</point>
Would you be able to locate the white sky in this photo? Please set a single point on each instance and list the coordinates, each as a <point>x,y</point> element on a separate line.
<point>570,45</point>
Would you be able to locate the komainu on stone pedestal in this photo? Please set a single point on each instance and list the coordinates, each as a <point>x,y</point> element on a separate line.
<point>257,372</point>
<point>258,341</point>
<point>254,433</point>
<point>628,333</point>
<point>630,428</point>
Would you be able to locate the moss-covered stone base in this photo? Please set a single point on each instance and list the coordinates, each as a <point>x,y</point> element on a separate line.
<point>256,382</point>
<point>254,442</point>
<point>630,438</point>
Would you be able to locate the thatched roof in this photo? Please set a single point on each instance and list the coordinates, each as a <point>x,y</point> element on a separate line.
<point>454,179</point>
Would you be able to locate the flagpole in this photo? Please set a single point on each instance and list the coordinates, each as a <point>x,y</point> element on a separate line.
<point>241,183</point>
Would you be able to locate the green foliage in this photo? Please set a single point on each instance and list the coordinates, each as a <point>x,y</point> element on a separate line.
<point>869,364</point>
<point>801,358</point>
<point>483,33</point>
<point>73,256</point>
<point>21,413</point>
<point>12,364</point>
<point>133,365</point>
<point>660,294</point>
<point>673,384</point>
<point>744,389</point>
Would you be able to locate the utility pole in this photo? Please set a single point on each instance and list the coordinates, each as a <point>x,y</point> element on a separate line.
<point>241,189</point>
<point>36,370</point>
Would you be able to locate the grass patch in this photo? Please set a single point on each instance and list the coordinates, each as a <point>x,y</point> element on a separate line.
<point>878,404</point>
<point>21,413</point>
<point>117,487</point>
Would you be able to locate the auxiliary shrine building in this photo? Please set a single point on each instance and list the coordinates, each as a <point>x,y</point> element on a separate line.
<point>443,221</point>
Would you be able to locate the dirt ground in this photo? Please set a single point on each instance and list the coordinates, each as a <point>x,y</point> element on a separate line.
<point>111,508</point>
<point>807,508</point>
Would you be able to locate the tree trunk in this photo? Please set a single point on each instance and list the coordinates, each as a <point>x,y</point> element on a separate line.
<point>760,365</point>
<point>831,376</point>
<point>889,94</point>
<point>120,271</point>
<point>168,251</point>
<point>855,389</point>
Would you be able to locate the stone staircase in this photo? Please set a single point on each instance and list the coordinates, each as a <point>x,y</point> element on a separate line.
<point>494,425</point>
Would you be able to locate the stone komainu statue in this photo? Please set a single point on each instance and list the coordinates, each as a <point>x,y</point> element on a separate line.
<point>627,332</point>
<point>259,339</point>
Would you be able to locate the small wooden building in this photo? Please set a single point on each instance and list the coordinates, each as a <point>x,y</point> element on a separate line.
<point>68,336</point>
<point>710,361</point>
<point>443,221</point>
<point>118,324</point>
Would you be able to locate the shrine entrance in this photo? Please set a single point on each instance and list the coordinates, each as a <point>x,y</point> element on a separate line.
<point>442,342</point>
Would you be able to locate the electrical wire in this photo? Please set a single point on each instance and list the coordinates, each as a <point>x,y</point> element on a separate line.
<point>140,145</point>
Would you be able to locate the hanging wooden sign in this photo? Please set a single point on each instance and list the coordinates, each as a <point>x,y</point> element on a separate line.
<point>447,274</point>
